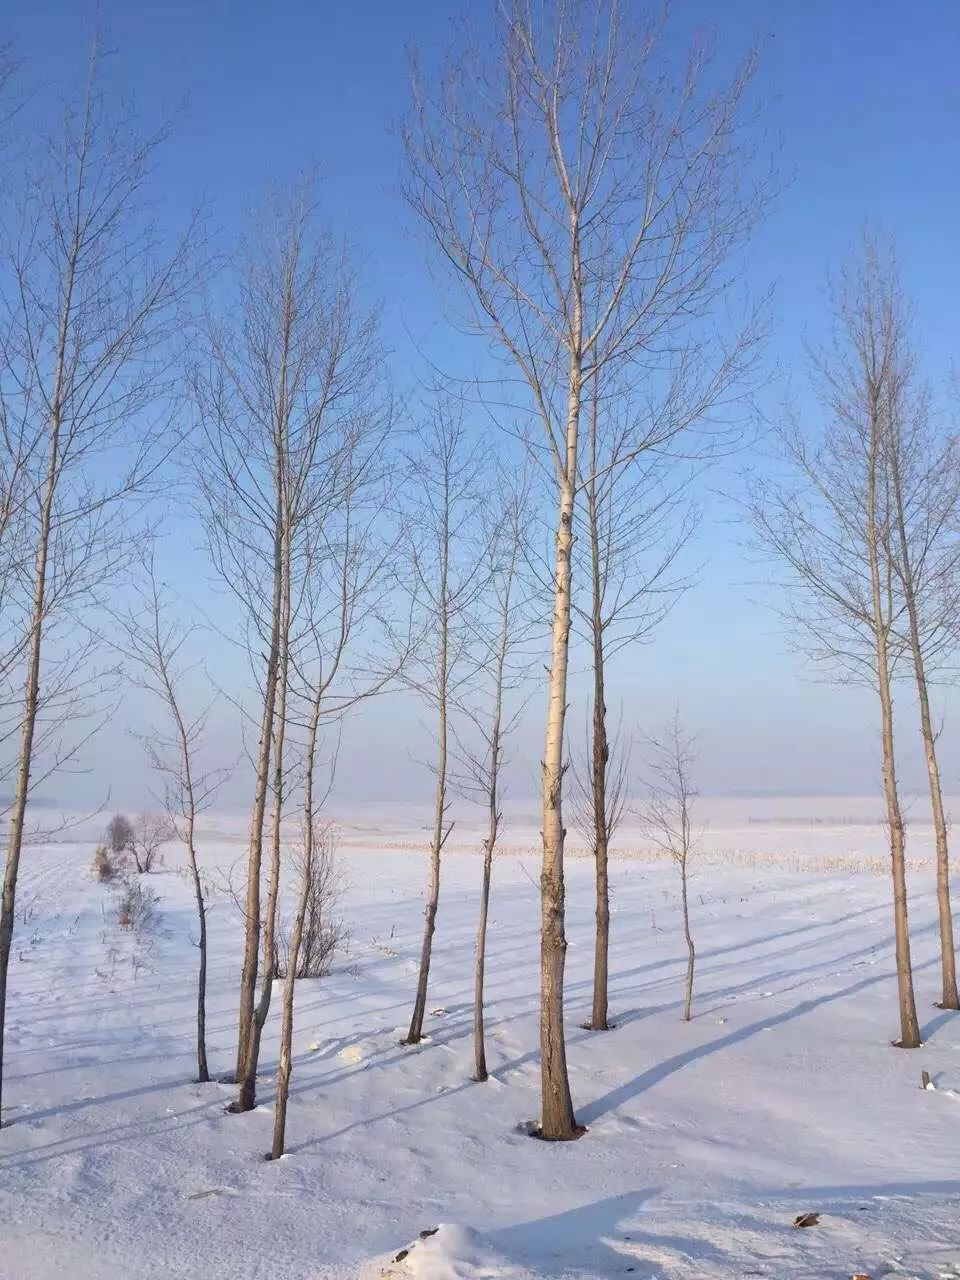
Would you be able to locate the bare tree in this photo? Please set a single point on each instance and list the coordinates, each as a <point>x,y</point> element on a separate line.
<point>635,524</point>
<point>504,629</point>
<point>119,833</point>
<point>446,558</point>
<point>344,654</point>
<point>279,395</point>
<point>668,819</point>
<point>150,832</point>
<point>91,294</point>
<point>587,201</point>
<point>832,528</point>
<point>923,466</point>
<point>156,644</point>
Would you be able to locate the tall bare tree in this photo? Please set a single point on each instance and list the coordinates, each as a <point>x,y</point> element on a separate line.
<point>345,652</point>
<point>587,199</point>
<point>91,293</point>
<point>832,526</point>
<point>156,641</point>
<point>668,819</point>
<point>635,523</point>
<point>446,562</point>
<point>278,394</point>
<point>923,469</point>
<point>504,629</point>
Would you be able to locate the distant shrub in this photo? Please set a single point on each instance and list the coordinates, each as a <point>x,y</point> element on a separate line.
<point>119,833</point>
<point>324,933</point>
<point>102,865</point>
<point>318,949</point>
<point>151,831</point>
<point>138,906</point>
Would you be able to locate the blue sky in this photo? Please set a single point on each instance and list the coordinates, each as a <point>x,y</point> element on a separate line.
<point>861,98</point>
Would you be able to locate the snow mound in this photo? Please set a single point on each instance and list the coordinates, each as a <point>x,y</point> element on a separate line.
<point>454,1252</point>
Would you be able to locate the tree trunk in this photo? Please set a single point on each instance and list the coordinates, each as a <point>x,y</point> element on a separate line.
<point>493,813</point>
<point>296,938</point>
<point>251,949</point>
<point>293,958</point>
<point>415,1033</point>
<point>950,997</point>
<point>691,953</point>
<point>909,1027</point>
<point>203,1073</point>
<point>600,755</point>
<point>479,1052</point>
<point>601,850</point>
<point>189,812</point>
<point>948,963</point>
<point>480,1056</point>
<point>247,1098</point>
<point>286,1018</point>
<point>557,1121</point>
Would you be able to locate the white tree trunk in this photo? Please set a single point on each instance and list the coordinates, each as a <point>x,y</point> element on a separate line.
<point>557,1121</point>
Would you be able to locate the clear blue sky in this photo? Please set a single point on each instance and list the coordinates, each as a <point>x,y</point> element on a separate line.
<point>862,97</point>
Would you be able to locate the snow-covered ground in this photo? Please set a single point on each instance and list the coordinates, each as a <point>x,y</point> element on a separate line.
<point>704,1142</point>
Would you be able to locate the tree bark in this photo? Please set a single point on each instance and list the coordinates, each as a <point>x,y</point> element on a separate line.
<point>557,1121</point>
<point>600,755</point>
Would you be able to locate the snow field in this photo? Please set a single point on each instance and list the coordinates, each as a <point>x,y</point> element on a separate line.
<point>705,1140</point>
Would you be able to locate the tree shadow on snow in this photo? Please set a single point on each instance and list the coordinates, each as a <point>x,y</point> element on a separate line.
<point>601,1239</point>
<point>134,1131</point>
<point>937,1021</point>
<point>647,1079</point>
